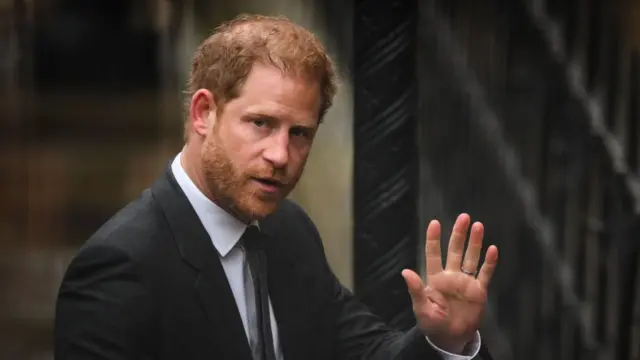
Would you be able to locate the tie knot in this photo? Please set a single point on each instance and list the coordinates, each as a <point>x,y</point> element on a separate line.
<point>252,238</point>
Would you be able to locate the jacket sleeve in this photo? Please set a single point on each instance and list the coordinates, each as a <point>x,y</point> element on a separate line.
<point>103,311</point>
<point>360,334</point>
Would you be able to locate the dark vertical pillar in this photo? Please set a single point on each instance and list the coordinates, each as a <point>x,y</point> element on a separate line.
<point>385,170</point>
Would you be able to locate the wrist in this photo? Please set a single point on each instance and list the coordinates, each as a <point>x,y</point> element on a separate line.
<point>449,344</point>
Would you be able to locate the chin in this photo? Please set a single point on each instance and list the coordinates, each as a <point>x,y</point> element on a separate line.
<point>256,208</point>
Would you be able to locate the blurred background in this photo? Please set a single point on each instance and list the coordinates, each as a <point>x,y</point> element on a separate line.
<point>523,113</point>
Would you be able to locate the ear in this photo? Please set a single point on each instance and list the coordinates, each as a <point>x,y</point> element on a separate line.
<point>202,112</point>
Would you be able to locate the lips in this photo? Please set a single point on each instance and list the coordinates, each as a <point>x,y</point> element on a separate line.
<point>269,184</point>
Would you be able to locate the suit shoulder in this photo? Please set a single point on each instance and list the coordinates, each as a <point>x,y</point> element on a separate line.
<point>293,227</point>
<point>289,209</point>
<point>131,230</point>
<point>291,215</point>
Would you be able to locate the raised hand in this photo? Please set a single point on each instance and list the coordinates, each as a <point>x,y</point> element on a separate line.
<point>449,307</point>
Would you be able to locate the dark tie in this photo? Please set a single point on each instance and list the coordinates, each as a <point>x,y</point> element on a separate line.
<point>254,244</point>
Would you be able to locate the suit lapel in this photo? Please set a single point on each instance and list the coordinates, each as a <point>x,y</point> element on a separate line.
<point>211,285</point>
<point>288,298</point>
<point>218,303</point>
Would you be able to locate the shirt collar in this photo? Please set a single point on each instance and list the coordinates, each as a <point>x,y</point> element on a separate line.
<point>223,228</point>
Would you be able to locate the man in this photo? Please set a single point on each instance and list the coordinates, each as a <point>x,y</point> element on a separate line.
<point>212,262</point>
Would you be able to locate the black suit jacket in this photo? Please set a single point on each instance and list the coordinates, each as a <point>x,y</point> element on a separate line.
<point>149,285</point>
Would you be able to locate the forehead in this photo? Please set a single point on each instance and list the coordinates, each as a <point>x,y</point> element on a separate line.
<point>270,91</point>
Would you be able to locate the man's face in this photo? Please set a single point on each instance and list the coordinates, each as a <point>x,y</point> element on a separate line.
<point>259,144</point>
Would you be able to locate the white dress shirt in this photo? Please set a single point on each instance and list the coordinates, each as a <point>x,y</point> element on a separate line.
<point>225,232</point>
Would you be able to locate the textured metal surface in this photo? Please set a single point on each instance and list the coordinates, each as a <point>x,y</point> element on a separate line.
<point>507,138</point>
<point>385,169</point>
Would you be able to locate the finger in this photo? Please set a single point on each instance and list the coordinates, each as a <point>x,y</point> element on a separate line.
<point>489,266</point>
<point>414,284</point>
<point>472,255</point>
<point>433,253</point>
<point>456,242</point>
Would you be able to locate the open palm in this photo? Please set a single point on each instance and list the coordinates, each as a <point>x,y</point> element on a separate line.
<point>449,307</point>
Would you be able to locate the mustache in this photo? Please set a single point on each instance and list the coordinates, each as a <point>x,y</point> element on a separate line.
<point>275,176</point>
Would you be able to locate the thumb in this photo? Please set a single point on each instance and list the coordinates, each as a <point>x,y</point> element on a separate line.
<point>414,284</point>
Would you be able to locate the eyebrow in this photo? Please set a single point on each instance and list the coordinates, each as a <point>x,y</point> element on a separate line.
<point>254,115</point>
<point>259,115</point>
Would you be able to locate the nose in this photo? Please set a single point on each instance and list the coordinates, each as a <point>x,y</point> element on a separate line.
<point>277,152</point>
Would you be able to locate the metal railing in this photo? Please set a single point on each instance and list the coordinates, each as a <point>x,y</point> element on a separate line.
<point>512,137</point>
<point>594,44</point>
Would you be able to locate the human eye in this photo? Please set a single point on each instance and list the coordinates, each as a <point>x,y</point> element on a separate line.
<point>300,132</point>
<point>260,122</point>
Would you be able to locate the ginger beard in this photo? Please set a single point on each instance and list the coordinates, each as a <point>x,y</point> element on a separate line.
<point>233,189</point>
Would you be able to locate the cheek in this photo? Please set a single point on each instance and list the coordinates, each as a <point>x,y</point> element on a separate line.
<point>244,159</point>
<point>298,159</point>
<point>224,142</point>
<point>240,142</point>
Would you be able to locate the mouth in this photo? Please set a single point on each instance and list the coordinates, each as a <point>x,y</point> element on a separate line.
<point>269,184</point>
